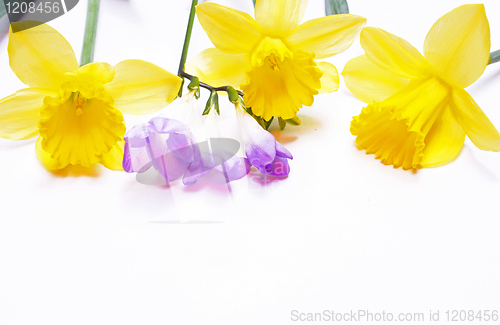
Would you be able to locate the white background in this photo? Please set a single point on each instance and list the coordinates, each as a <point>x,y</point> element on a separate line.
<point>342,232</point>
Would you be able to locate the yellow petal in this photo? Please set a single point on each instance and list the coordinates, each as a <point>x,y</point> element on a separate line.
<point>40,56</point>
<point>327,36</point>
<point>19,113</point>
<point>282,87</point>
<point>458,44</point>
<point>140,87</point>
<point>93,73</point>
<point>80,138</point>
<point>232,31</point>
<point>45,157</point>
<point>279,17</point>
<point>330,78</point>
<point>369,82</point>
<point>219,69</point>
<point>475,123</point>
<point>444,141</point>
<point>114,159</point>
<point>393,53</point>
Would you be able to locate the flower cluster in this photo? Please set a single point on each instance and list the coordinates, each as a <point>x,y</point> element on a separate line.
<point>418,111</point>
<point>76,112</point>
<point>174,144</point>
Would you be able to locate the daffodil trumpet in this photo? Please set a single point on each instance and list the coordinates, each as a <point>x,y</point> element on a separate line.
<point>418,111</point>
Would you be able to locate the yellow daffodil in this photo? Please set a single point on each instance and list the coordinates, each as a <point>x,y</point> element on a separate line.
<point>76,111</point>
<point>418,112</point>
<point>272,58</point>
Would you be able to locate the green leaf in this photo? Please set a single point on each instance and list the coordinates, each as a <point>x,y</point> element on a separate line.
<point>248,109</point>
<point>215,101</point>
<point>232,94</point>
<point>254,1</point>
<point>3,11</point>
<point>282,123</point>
<point>294,121</point>
<point>208,106</point>
<point>336,7</point>
<point>267,124</point>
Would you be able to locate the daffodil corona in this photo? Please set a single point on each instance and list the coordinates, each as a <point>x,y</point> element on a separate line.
<point>418,112</point>
<point>77,111</point>
<point>272,58</point>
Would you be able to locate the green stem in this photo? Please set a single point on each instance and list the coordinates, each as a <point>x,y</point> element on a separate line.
<point>90,32</point>
<point>189,30</point>
<point>494,57</point>
<point>3,11</point>
<point>206,86</point>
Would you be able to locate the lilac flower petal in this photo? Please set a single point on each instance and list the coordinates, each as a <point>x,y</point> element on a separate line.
<point>236,168</point>
<point>135,158</point>
<point>279,167</point>
<point>168,126</point>
<point>260,156</point>
<point>282,151</point>
<point>166,144</point>
<point>221,152</point>
<point>170,167</point>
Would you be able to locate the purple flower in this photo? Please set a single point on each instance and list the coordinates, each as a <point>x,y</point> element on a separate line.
<point>166,144</point>
<point>169,146</point>
<point>261,147</point>
<point>216,154</point>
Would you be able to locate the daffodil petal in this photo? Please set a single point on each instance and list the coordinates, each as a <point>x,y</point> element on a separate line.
<point>458,44</point>
<point>369,82</point>
<point>20,112</point>
<point>140,87</point>
<point>279,17</point>
<point>93,73</point>
<point>330,78</point>
<point>232,31</point>
<point>393,53</point>
<point>114,159</point>
<point>219,69</point>
<point>40,56</point>
<point>45,157</point>
<point>475,123</point>
<point>444,141</point>
<point>327,36</point>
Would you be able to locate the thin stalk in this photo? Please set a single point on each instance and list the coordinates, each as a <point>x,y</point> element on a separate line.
<point>90,32</point>
<point>185,49</point>
<point>187,39</point>
<point>494,57</point>
<point>206,86</point>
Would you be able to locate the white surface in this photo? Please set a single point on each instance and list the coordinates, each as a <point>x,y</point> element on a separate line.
<point>343,232</point>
